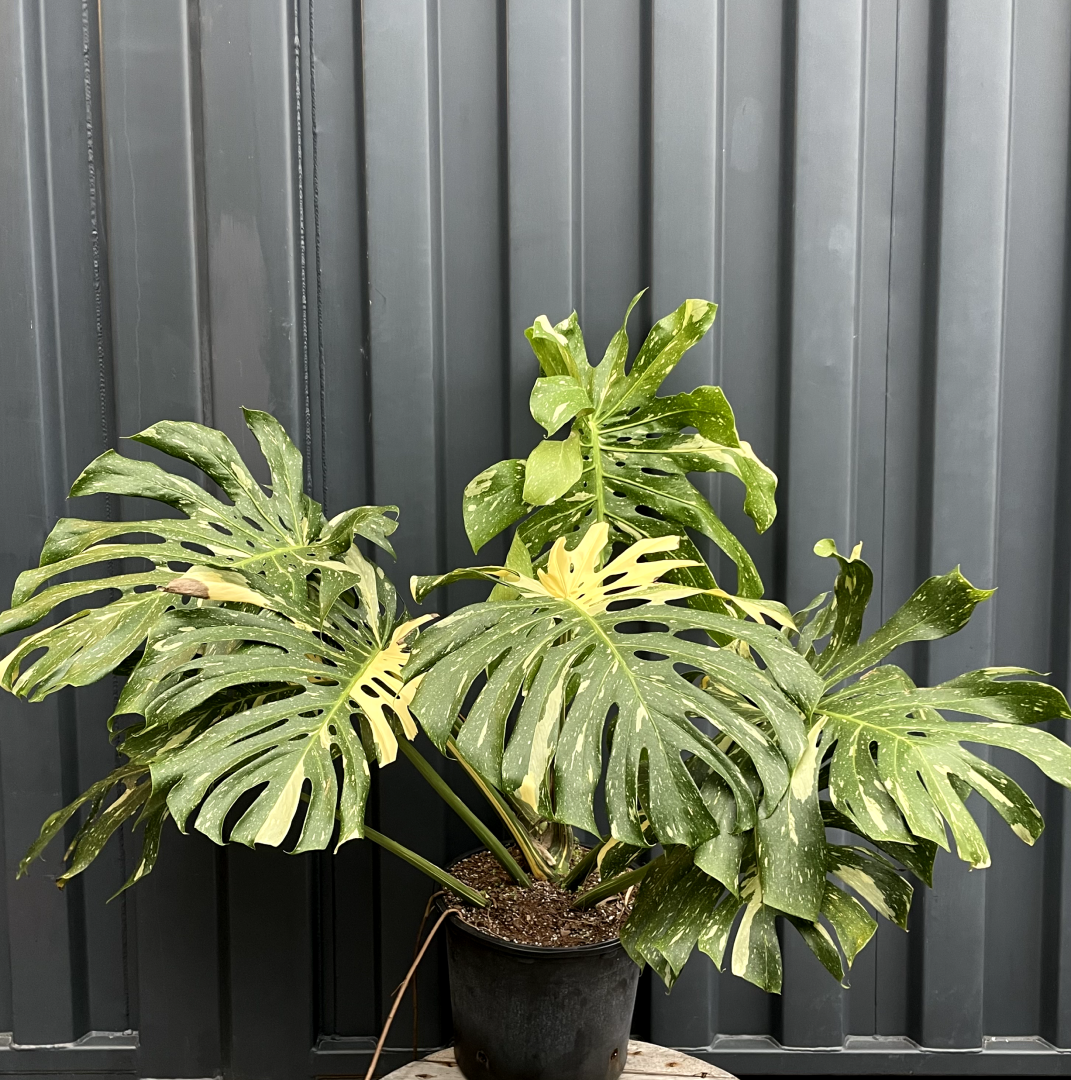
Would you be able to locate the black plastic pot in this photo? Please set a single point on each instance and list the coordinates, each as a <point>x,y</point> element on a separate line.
<point>523,1012</point>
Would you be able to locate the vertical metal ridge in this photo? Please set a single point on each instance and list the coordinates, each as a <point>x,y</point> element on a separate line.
<point>505,269</point>
<point>787,138</point>
<point>1056,915</point>
<point>365,299</point>
<point>202,291</point>
<point>1003,315</point>
<point>576,143</point>
<point>438,299</point>
<point>646,184</point>
<point>97,235</point>
<point>930,299</point>
<point>860,206</point>
<point>320,356</point>
<point>306,404</point>
<point>718,269</point>
<point>931,296</point>
<point>883,613</point>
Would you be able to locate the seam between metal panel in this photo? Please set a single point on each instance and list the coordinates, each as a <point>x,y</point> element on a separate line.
<point>857,283</point>
<point>321,362</point>
<point>433,45</point>
<point>505,295</point>
<point>202,288</point>
<point>576,174</point>
<point>300,154</point>
<point>995,557</point>
<point>888,328</point>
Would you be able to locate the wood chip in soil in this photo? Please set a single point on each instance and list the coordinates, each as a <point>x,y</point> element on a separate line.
<point>541,915</point>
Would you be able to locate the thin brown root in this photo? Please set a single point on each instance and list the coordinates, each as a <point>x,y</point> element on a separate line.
<point>416,946</point>
<point>401,991</point>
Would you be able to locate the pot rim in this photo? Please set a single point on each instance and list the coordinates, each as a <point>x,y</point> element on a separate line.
<point>556,952</point>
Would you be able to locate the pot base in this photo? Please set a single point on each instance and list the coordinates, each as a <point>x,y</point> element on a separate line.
<point>528,1013</point>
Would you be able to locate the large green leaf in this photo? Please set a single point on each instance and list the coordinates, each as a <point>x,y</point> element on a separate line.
<point>897,767</point>
<point>256,536</point>
<point>273,650</point>
<point>578,667</point>
<point>633,453</point>
<point>343,676</point>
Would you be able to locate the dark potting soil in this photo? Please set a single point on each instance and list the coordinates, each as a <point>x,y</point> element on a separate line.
<point>541,915</point>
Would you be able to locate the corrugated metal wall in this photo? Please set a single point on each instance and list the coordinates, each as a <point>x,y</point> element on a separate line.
<point>346,214</point>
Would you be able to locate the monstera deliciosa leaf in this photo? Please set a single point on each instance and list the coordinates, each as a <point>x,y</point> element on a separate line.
<point>255,535</point>
<point>564,646</point>
<point>628,453</point>
<point>897,773</point>
<point>273,648</point>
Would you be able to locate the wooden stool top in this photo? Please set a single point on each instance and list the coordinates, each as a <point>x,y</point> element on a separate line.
<point>645,1062</point>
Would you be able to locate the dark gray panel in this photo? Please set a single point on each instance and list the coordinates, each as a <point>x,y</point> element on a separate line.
<point>1035,298</point>
<point>348,214</point>
<point>966,425</point>
<point>402,133</point>
<point>36,751</point>
<point>826,241</point>
<point>258,325</point>
<point>156,262</point>
<point>543,153</point>
<point>751,316</point>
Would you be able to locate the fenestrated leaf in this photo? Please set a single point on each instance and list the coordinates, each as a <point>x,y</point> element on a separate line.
<point>610,372</point>
<point>849,919</point>
<point>817,939</point>
<point>250,536</point>
<point>280,749</point>
<point>674,901</point>
<point>636,449</point>
<point>791,842</point>
<point>987,692</point>
<point>938,607</point>
<point>917,857</point>
<point>896,756</point>
<point>756,952</point>
<point>561,633</point>
<point>875,880</point>
<point>233,700</point>
<point>721,856</point>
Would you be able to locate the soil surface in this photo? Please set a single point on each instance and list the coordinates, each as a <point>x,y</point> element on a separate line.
<point>541,915</point>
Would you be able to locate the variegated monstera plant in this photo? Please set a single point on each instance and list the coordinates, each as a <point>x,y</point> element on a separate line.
<point>702,742</point>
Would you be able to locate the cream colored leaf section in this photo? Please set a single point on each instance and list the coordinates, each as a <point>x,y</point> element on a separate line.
<point>379,687</point>
<point>277,823</point>
<point>758,610</point>
<point>575,576</point>
<point>542,747</point>
<point>204,583</point>
<point>752,893</point>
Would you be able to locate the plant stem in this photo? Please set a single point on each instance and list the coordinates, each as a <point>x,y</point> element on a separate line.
<point>474,896</point>
<point>482,832</point>
<point>614,886</point>
<point>504,811</point>
<point>575,877</point>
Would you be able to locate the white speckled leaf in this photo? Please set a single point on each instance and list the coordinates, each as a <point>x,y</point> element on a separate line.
<point>254,535</point>
<point>585,668</point>
<point>212,668</point>
<point>636,449</point>
<point>556,400</point>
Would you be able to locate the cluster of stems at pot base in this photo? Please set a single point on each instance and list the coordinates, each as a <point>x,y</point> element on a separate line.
<point>540,868</point>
